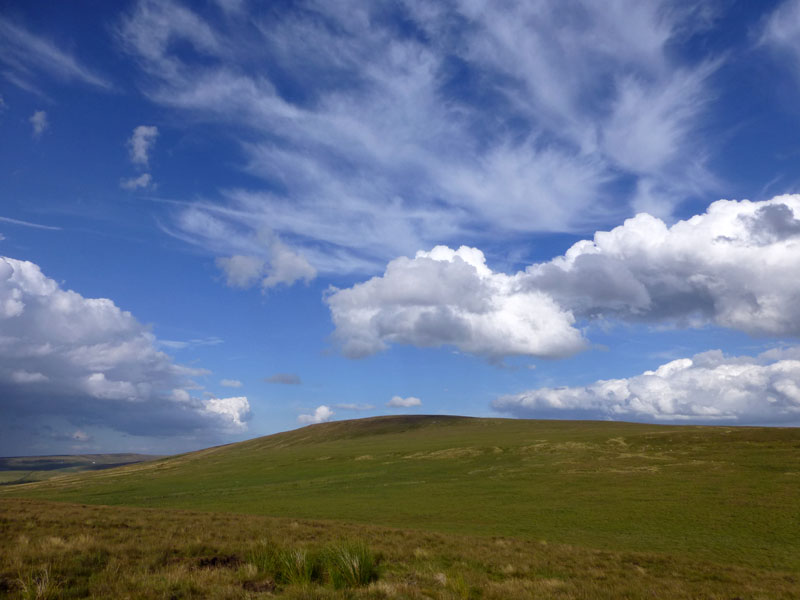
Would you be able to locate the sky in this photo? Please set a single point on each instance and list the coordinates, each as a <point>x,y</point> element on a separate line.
<point>225,219</point>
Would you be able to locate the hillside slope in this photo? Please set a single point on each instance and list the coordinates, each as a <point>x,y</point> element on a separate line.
<point>719,493</point>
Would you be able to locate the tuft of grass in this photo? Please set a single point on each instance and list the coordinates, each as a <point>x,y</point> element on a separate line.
<point>352,564</point>
<point>299,566</point>
<point>265,556</point>
<point>38,585</point>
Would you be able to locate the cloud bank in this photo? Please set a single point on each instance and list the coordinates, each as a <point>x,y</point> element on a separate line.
<point>728,267</point>
<point>707,387</point>
<point>86,360</point>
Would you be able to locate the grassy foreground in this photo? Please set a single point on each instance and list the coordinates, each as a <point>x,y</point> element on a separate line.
<point>57,550</point>
<point>715,508</point>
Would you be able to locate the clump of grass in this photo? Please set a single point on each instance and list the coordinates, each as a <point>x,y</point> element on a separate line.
<point>266,558</point>
<point>299,566</point>
<point>38,585</point>
<point>352,564</point>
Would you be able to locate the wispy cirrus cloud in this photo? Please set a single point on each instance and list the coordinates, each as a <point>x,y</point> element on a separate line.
<point>284,379</point>
<point>520,118</point>
<point>353,406</point>
<point>781,32</point>
<point>28,224</point>
<point>27,56</point>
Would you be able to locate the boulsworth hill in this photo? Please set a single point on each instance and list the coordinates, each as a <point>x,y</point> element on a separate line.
<point>726,496</point>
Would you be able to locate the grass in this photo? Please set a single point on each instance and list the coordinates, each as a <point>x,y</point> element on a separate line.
<point>668,498</point>
<point>27,469</point>
<point>123,552</point>
<point>352,564</point>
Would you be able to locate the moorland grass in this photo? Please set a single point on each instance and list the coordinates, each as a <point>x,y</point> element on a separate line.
<point>724,494</point>
<point>26,469</point>
<point>80,551</point>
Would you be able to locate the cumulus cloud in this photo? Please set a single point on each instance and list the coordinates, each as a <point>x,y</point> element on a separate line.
<point>451,297</point>
<point>235,410</point>
<point>141,143</point>
<point>320,415</point>
<point>727,266</point>
<point>284,379</point>
<point>39,122</point>
<point>234,383</point>
<point>764,389</point>
<point>400,402</point>
<point>89,362</point>
<point>134,183</point>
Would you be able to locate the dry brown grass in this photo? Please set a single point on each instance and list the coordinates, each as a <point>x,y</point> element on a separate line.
<point>50,550</point>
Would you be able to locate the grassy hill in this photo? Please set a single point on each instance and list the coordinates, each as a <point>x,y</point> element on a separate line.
<point>26,469</point>
<point>722,494</point>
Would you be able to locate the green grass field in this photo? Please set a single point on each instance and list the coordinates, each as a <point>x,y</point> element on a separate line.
<point>721,498</point>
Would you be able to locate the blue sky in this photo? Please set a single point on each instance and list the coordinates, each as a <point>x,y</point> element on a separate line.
<point>225,219</point>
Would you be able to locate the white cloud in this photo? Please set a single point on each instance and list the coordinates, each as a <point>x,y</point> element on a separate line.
<point>234,411</point>
<point>182,344</point>
<point>233,383</point>
<point>28,224</point>
<point>782,31</point>
<point>24,53</point>
<point>450,297</point>
<point>39,122</point>
<point>321,414</point>
<point>280,265</point>
<point>22,376</point>
<point>726,266</point>
<point>142,181</point>
<point>88,361</point>
<point>141,143</point>
<point>764,389</point>
<point>241,271</point>
<point>388,150</point>
<point>400,402</point>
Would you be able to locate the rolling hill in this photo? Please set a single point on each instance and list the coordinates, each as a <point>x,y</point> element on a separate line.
<point>726,494</point>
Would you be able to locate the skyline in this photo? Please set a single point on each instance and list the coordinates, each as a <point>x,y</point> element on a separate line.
<point>221,220</point>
